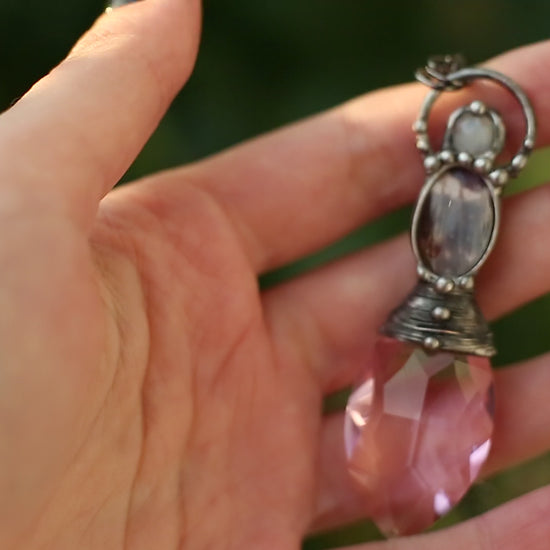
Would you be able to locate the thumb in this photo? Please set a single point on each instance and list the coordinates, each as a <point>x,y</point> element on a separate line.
<point>83,124</point>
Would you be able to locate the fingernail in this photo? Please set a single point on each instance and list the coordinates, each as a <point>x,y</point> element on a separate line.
<point>117,3</point>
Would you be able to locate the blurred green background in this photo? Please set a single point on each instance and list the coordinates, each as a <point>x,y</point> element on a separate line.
<point>263,64</point>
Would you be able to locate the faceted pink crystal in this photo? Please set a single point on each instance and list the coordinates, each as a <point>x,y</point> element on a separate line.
<point>418,430</point>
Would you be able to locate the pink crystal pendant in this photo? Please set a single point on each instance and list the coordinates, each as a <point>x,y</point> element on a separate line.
<point>419,423</point>
<point>418,430</point>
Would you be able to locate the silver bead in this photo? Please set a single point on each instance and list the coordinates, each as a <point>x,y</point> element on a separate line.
<point>529,144</point>
<point>465,158</point>
<point>422,144</point>
<point>447,157</point>
<point>478,107</point>
<point>467,283</point>
<point>441,313</point>
<point>499,177</point>
<point>519,162</point>
<point>431,343</point>
<point>444,286</point>
<point>483,164</point>
<point>431,164</point>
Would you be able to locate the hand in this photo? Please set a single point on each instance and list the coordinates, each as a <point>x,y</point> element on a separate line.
<point>151,396</point>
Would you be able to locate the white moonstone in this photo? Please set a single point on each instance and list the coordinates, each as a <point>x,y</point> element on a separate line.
<point>473,134</point>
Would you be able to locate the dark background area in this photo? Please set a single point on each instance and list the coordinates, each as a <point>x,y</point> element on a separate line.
<point>263,64</point>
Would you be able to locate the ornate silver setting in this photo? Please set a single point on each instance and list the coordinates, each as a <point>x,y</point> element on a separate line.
<point>441,312</point>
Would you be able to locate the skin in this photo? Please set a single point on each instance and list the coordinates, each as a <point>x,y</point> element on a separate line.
<point>151,396</point>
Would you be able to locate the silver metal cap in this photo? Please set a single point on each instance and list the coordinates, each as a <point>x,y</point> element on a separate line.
<point>450,321</point>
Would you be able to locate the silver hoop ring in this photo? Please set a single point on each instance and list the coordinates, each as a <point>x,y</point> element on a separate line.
<point>464,76</point>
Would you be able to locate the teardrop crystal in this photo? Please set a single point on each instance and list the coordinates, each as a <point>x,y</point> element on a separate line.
<point>417,432</point>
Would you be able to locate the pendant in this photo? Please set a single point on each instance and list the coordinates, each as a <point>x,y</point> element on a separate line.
<point>419,424</point>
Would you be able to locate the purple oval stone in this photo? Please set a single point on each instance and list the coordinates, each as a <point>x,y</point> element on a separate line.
<point>456,222</point>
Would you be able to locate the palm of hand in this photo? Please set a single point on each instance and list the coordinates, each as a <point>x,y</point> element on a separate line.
<point>173,409</point>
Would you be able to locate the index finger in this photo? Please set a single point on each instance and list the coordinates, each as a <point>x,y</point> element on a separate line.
<point>300,188</point>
